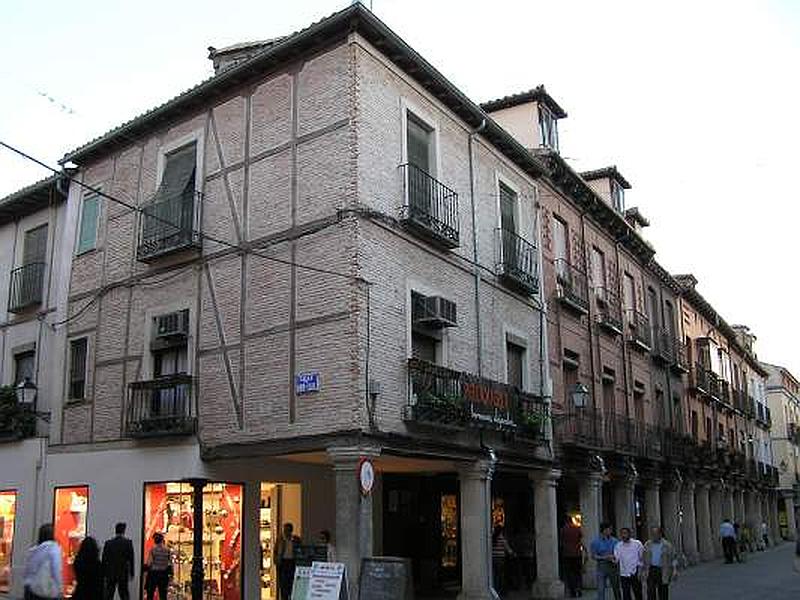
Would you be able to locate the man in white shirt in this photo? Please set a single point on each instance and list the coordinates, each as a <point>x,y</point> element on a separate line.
<point>728,535</point>
<point>629,553</point>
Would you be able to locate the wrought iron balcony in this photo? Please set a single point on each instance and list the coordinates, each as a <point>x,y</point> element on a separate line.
<point>608,310</point>
<point>588,428</point>
<point>26,287</point>
<point>663,348</point>
<point>681,364</point>
<point>449,399</point>
<point>725,392</point>
<point>714,385</point>
<point>431,208</point>
<point>517,262</point>
<point>170,225</point>
<point>700,379</point>
<point>639,329</point>
<point>161,407</point>
<point>572,286</point>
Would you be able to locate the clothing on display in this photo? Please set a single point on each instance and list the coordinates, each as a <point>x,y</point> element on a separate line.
<point>69,524</point>
<point>8,513</point>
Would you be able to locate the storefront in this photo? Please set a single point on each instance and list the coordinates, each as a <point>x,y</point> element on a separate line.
<point>8,513</point>
<point>70,511</point>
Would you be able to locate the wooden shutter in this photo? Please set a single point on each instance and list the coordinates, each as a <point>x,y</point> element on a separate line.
<point>35,249</point>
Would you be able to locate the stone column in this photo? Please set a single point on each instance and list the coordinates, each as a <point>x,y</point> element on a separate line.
<point>623,503</point>
<point>652,506</point>
<point>704,540</point>
<point>689,524</point>
<point>353,535</point>
<point>791,522</point>
<point>590,490</point>
<point>738,497</point>
<point>729,503</point>
<point>715,500</point>
<point>547,584</point>
<point>476,530</point>
<point>670,509</point>
<point>774,522</point>
<point>751,511</point>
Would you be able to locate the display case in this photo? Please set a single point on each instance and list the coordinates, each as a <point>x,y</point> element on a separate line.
<point>169,510</point>
<point>71,505</point>
<point>8,514</point>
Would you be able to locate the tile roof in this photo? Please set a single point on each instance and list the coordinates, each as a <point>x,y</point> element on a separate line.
<point>611,172</point>
<point>30,199</point>
<point>537,94</point>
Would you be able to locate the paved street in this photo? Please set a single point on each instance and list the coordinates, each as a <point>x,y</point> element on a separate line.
<point>766,575</point>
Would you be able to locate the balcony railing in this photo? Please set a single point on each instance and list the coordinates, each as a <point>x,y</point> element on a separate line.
<point>517,261</point>
<point>700,379</point>
<point>611,432</point>
<point>639,329</point>
<point>739,399</point>
<point>26,287</point>
<point>714,385</point>
<point>681,363</point>
<point>163,406</point>
<point>572,286</point>
<point>452,399</point>
<point>170,225</point>
<point>608,309</point>
<point>663,346</point>
<point>725,392</point>
<point>431,208</point>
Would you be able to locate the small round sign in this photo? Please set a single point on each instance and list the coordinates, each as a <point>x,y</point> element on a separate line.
<point>366,476</point>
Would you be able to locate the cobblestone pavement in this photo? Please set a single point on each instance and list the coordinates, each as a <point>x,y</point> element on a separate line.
<point>765,575</point>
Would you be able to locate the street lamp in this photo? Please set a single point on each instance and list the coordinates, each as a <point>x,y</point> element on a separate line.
<point>580,395</point>
<point>26,394</point>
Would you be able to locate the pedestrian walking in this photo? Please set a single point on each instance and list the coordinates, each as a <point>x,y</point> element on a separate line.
<point>42,578</point>
<point>285,560</point>
<point>159,569</point>
<point>629,553</point>
<point>602,551</point>
<point>765,534</point>
<point>572,552</point>
<point>118,563</point>
<point>501,552</point>
<point>660,564</point>
<point>88,571</point>
<point>728,535</point>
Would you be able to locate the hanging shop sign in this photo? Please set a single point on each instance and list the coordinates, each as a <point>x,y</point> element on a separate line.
<point>308,382</point>
<point>366,476</point>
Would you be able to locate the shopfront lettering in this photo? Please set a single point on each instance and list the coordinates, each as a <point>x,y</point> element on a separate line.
<point>484,394</point>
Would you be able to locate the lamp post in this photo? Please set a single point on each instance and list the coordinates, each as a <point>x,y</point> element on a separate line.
<point>26,394</point>
<point>580,396</point>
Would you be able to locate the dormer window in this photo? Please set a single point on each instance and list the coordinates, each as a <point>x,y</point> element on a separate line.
<point>617,196</point>
<point>548,128</point>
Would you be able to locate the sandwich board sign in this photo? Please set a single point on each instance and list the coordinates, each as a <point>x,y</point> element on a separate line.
<point>302,575</point>
<point>328,581</point>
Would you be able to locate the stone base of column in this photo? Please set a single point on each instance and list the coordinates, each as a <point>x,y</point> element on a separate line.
<point>489,594</point>
<point>547,590</point>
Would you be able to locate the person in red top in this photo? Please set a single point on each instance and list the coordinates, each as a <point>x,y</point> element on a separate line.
<point>572,557</point>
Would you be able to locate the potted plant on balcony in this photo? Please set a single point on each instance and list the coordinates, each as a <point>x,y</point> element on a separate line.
<point>16,422</point>
<point>440,408</point>
<point>531,425</point>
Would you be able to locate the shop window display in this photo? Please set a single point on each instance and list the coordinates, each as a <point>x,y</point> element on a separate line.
<point>449,515</point>
<point>169,510</point>
<point>280,503</point>
<point>8,513</point>
<point>69,523</point>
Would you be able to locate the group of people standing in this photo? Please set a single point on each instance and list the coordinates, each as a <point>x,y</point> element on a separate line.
<point>737,540</point>
<point>623,565</point>
<point>96,577</point>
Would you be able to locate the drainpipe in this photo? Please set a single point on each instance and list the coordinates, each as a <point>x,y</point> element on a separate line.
<point>475,267</point>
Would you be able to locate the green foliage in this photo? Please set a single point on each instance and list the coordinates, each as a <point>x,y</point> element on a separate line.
<point>15,421</point>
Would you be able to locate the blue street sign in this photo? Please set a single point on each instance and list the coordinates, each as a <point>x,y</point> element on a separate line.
<point>305,383</point>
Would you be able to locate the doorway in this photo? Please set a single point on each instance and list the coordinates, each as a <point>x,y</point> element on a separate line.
<point>280,503</point>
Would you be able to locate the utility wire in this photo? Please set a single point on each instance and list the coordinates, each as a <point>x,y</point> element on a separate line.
<point>201,234</point>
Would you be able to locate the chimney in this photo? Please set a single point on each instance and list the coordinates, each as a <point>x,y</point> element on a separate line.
<point>230,56</point>
<point>636,219</point>
<point>531,117</point>
<point>745,337</point>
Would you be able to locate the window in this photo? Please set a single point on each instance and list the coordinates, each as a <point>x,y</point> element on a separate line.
<point>77,369</point>
<point>629,292</point>
<point>90,211</point>
<point>508,208</point>
<point>695,423</point>
<point>419,144</point>
<point>598,270</point>
<point>70,508</point>
<point>561,247</point>
<point>617,196</point>
<point>548,128</point>
<point>669,318</point>
<point>8,514</point>
<point>515,364</point>
<point>426,342</point>
<point>24,366</point>
<point>652,300</point>
<point>35,248</point>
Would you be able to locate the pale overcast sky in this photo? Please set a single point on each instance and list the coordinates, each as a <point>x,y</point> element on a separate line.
<point>696,101</point>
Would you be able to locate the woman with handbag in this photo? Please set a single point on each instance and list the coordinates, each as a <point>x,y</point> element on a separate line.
<point>158,568</point>
<point>43,567</point>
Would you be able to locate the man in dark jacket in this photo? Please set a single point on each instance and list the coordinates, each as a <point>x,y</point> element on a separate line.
<point>118,563</point>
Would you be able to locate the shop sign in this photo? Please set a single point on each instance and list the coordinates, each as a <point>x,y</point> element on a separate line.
<point>302,577</point>
<point>305,383</point>
<point>366,476</point>
<point>488,404</point>
<point>386,578</point>
<point>327,582</point>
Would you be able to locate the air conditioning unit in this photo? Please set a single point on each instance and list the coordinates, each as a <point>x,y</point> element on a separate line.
<point>172,325</point>
<point>434,311</point>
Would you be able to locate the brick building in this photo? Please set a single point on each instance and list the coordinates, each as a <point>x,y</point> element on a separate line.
<point>326,256</point>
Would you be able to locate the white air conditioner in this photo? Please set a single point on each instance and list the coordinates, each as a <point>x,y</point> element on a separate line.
<point>434,312</point>
<point>175,324</point>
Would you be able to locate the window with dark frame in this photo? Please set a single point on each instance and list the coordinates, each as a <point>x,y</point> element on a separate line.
<point>617,196</point>
<point>548,128</point>
<point>515,364</point>
<point>77,368</point>
<point>90,212</point>
<point>24,366</point>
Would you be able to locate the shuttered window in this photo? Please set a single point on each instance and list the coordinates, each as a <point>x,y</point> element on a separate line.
<point>90,211</point>
<point>35,249</point>
<point>419,144</point>
<point>77,369</point>
<point>515,365</point>
<point>172,209</point>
